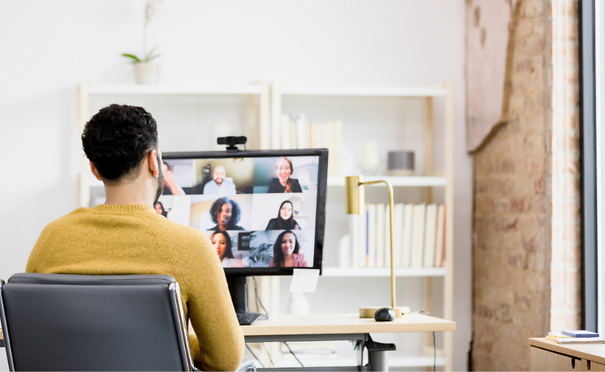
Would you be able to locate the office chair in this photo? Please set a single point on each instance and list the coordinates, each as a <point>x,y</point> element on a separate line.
<point>94,323</point>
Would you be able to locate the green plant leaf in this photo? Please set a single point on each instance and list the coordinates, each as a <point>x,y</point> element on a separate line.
<point>132,56</point>
<point>151,56</point>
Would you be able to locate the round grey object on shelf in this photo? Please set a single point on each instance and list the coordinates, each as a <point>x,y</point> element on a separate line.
<point>400,163</point>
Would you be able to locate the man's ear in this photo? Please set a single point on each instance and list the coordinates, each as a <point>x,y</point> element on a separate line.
<point>94,171</point>
<point>154,166</point>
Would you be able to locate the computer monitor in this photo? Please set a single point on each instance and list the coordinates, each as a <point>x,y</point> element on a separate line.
<point>264,211</point>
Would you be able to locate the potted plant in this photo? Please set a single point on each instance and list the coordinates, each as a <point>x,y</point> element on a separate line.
<point>146,72</point>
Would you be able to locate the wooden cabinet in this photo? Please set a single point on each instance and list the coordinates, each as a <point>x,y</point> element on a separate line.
<point>544,360</point>
<point>548,355</point>
<point>588,365</point>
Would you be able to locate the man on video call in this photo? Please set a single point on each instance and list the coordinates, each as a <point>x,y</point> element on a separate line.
<point>126,236</point>
<point>220,184</point>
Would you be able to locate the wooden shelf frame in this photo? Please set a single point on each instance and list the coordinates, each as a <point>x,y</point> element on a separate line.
<point>442,91</point>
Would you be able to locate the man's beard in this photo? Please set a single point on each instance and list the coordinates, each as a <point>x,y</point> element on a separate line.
<point>160,179</point>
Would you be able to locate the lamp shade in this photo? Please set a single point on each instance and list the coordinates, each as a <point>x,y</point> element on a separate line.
<point>354,194</point>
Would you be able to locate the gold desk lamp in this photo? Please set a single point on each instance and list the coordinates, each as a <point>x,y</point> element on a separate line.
<point>355,198</point>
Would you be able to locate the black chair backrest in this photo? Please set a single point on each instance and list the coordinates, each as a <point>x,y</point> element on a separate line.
<point>94,322</point>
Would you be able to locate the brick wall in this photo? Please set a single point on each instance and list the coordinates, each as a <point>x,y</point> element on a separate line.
<point>526,212</point>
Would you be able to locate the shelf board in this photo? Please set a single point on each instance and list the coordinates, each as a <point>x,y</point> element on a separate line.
<point>365,91</point>
<point>411,361</point>
<point>343,272</point>
<point>412,181</point>
<point>173,90</point>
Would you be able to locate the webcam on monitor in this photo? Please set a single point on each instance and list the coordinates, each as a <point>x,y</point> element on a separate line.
<point>232,141</point>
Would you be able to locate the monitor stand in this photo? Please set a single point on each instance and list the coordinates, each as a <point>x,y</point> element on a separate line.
<point>238,287</point>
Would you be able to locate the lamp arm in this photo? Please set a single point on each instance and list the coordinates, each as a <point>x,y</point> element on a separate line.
<point>391,206</point>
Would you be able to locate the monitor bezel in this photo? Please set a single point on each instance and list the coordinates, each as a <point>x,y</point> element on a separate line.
<point>320,215</point>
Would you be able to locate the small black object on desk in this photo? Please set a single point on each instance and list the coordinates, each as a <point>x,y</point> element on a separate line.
<point>384,314</point>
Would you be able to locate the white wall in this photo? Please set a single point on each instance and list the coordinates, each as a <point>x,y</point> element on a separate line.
<point>49,46</point>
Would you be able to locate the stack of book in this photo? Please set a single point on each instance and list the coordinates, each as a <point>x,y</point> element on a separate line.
<point>567,337</point>
<point>418,236</point>
<point>301,133</point>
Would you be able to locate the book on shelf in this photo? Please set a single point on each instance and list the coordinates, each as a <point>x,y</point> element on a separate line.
<point>398,234</point>
<point>379,235</point>
<point>301,133</point>
<point>371,235</point>
<point>286,135</point>
<point>440,238</point>
<point>418,225</point>
<point>418,236</point>
<point>387,236</point>
<point>301,128</point>
<point>430,230</point>
<point>407,235</point>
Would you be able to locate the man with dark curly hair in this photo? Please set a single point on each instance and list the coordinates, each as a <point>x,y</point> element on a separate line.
<point>126,236</point>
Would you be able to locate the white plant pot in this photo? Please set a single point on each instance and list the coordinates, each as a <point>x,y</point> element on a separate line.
<point>146,73</point>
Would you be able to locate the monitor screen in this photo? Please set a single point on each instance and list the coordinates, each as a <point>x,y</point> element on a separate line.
<point>263,211</point>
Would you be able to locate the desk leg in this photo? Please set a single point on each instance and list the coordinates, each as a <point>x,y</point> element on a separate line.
<point>377,355</point>
<point>378,361</point>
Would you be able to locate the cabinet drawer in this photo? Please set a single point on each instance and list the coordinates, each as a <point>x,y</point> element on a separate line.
<point>542,360</point>
<point>587,365</point>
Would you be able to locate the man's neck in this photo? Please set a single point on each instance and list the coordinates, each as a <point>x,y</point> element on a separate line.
<point>136,192</point>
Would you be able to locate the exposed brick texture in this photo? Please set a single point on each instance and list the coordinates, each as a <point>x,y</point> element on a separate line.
<point>526,193</point>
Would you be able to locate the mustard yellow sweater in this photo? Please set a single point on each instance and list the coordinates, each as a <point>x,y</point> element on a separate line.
<point>133,239</point>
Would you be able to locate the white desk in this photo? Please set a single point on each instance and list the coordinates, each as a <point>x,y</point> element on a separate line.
<point>328,327</point>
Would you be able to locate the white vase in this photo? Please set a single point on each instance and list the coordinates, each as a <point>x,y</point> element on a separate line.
<point>146,73</point>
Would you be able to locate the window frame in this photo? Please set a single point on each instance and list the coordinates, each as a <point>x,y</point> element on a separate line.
<point>590,242</point>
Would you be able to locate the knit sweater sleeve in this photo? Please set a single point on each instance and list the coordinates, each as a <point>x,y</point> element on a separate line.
<point>33,262</point>
<point>220,339</point>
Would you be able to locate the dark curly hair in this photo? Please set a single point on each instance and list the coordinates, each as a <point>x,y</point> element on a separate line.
<point>228,249</point>
<point>216,207</point>
<point>278,255</point>
<point>117,138</point>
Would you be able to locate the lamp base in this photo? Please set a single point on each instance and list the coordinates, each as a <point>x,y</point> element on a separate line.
<point>368,312</point>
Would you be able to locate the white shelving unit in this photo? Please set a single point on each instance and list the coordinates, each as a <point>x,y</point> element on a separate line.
<point>427,182</point>
<point>264,112</point>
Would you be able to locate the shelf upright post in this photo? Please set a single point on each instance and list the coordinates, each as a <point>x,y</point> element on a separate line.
<point>428,148</point>
<point>264,130</point>
<point>449,222</point>
<point>276,115</point>
<point>253,121</point>
<point>428,196</point>
<point>83,112</point>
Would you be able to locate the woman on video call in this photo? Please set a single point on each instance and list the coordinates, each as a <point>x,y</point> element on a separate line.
<point>285,218</point>
<point>285,251</point>
<point>222,243</point>
<point>283,182</point>
<point>225,214</point>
